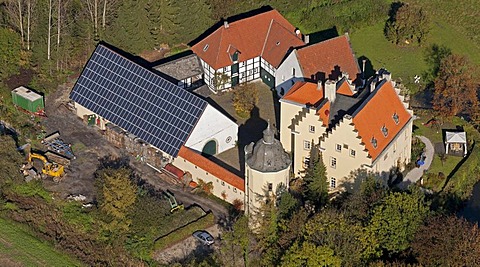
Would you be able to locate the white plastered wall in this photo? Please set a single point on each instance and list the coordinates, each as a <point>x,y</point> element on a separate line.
<point>284,77</point>
<point>257,182</point>
<point>213,125</point>
<point>219,186</point>
<point>304,134</point>
<point>82,111</point>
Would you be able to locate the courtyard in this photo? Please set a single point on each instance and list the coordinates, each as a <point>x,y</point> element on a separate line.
<point>249,129</point>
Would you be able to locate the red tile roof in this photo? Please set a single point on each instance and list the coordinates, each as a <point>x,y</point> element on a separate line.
<point>305,93</point>
<point>324,112</point>
<point>174,170</point>
<point>250,36</point>
<point>325,56</point>
<point>279,40</point>
<point>344,88</point>
<point>212,168</point>
<point>376,112</point>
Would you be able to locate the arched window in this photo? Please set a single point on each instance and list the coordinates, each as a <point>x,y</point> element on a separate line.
<point>210,148</point>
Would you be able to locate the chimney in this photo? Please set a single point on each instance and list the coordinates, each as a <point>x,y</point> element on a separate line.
<point>364,61</point>
<point>319,85</point>
<point>345,74</point>
<point>306,38</point>
<point>225,24</point>
<point>330,90</point>
<point>373,85</point>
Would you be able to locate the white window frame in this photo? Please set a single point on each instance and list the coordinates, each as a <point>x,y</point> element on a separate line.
<point>333,162</point>
<point>333,182</point>
<point>307,145</point>
<point>353,153</point>
<point>338,147</point>
<point>306,162</point>
<point>311,128</point>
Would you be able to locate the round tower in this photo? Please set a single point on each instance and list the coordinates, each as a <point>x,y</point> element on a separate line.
<point>267,169</point>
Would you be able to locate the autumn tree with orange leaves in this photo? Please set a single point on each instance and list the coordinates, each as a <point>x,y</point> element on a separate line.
<point>456,87</point>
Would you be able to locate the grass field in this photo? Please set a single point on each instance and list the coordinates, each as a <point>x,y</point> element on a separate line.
<point>19,248</point>
<point>406,62</point>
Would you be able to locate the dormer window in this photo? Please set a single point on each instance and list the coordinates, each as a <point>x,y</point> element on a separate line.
<point>384,131</point>
<point>374,142</point>
<point>205,48</point>
<point>235,56</point>
<point>396,118</point>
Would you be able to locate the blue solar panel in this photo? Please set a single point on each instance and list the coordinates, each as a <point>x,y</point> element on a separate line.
<point>137,100</point>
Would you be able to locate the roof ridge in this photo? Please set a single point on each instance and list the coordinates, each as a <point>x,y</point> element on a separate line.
<point>266,36</point>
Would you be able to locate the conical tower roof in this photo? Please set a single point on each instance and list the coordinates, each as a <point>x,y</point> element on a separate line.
<point>267,155</point>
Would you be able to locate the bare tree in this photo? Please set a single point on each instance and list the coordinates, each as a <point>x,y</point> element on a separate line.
<point>14,10</point>
<point>30,7</point>
<point>50,7</point>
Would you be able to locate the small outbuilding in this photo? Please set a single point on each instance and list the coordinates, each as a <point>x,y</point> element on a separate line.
<point>28,100</point>
<point>456,143</point>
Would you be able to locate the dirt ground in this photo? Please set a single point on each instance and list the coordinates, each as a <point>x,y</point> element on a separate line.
<point>87,143</point>
<point>90,147</point>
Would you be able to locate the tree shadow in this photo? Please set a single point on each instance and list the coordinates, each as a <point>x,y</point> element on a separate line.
<point>248,132</point>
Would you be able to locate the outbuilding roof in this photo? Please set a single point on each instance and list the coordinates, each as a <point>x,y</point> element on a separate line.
<point>181,68</point>
<point>137,100</point>
<point>268,33</point>
<point>456,137</point>
<point>212,168</point>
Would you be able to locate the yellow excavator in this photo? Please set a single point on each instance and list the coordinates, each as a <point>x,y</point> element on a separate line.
<point>51,169</point>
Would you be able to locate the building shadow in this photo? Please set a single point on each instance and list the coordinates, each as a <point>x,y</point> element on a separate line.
<point>250,131</point>
<point>323,35</point>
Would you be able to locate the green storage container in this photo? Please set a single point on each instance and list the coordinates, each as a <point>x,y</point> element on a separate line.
<point>27,99</point>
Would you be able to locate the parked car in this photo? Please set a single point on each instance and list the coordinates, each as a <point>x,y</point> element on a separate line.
<point>204,237</point>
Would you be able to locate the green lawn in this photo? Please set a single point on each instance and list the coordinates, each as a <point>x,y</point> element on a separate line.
<point>19,248</point>
<point>406,62</point>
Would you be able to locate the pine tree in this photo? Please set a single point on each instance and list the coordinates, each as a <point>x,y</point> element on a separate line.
<point>315,179</point>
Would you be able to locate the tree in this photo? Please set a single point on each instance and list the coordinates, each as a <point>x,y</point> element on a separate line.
<point>455,87</point>
<point>448,241</point>
<point>236,241</point>
<point>434,54</point>
<point>206,187</point>
<point>315,179</point>
<point>394,223</point>
<point>118,196</point>
<point>329,228</point>
<point>310,255</point>
<point>9,52</point>
<point>407,24</point>
<point>245,97</point>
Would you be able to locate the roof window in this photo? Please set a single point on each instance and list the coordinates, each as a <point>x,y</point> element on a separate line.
<point>384,130</point>
<point>396,118</point>
<point>205,48</point>
<point>374,142</point>
<point>278,43</point>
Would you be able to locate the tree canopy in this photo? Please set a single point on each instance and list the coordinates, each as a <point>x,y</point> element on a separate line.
<point>456,87</point>
<point>408,23</point>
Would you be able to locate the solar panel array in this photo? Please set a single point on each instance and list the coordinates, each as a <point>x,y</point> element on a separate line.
<point>137,100</point>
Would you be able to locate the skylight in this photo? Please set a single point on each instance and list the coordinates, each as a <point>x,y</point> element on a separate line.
<point>384,130</point>
<point>396,118</point>
<point>374,142</point>
<point>205,48</point>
